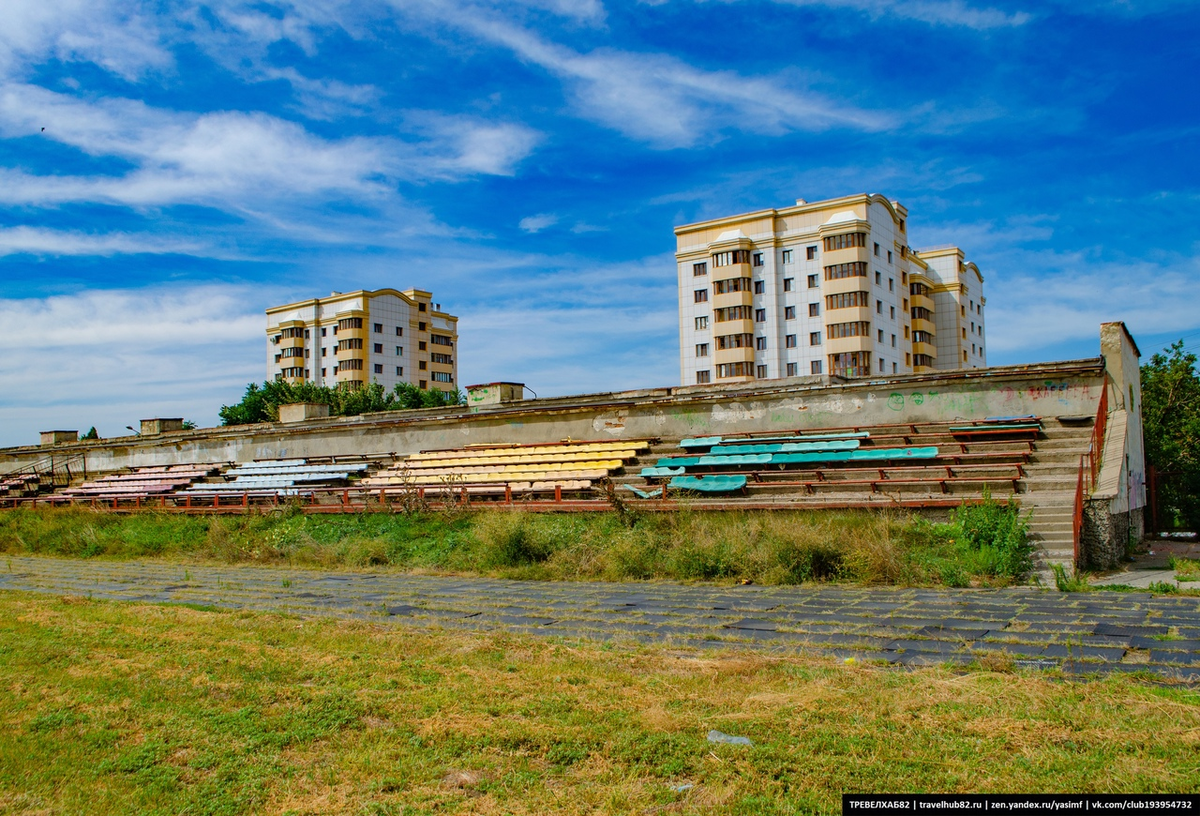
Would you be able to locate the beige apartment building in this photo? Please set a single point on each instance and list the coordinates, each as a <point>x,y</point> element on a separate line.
<point>353,338</point>
<point>829,287</point>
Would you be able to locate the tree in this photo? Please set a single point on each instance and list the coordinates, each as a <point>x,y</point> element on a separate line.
<point>91,433</point>
<point>1171,427</point>
<point>261,403</point>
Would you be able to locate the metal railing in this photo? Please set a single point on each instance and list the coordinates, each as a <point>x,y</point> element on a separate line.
<point>1089,468</point>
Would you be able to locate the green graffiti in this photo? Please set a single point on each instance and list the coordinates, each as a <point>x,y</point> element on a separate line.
<point>918,398</point>
<point>896,401</point>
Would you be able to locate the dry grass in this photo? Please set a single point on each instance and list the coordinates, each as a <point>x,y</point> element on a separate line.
<point>107,708</point>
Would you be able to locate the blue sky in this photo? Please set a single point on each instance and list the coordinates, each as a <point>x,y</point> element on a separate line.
<point>526,161</point>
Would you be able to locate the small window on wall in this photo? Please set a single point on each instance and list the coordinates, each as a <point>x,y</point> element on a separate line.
<point>757,259</point>
<point>759,287</point>
<point>814,338</point>
<point>703,377</point>
<point>789,312</point>
<point>702,349</point>
<point>420,307</point>
<point>790,341</point>
<point>399,331</point>
<point>894,368</point>
<point>761,373</point>
<point>760,343</point>
<point>399,371</point>
<point>378,328</point>
<point>787,256</point>
<point>788,284</point>
<point>701,322</point>
<point>814,281</point>
<point>816,366</point>
<point>760,315</point>
<point>699,269</point>
<point>378,368</point>
<point>792,369</point>
<point>322,331</point>
<point>379,348</point>
<point>421,345</point>
<point>421,365</point>
<point>700,296</point>
<point>814,310</point>
<point>422,383</point>
<point>420,327</point>
<point>812,253</point>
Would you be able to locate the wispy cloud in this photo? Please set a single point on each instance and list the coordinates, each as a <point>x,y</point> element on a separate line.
<point>934,12</point>
<point>537,223</point>
<point>39,241</point>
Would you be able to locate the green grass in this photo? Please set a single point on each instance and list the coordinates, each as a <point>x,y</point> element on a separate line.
<point>1186,569</point>
<point>983,545</point>
<point>109,708</point>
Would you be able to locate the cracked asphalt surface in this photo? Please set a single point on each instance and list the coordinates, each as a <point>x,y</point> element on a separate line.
<point>1079,633</point>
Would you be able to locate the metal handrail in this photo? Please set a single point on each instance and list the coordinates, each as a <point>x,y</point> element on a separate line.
<point>1089,468</point>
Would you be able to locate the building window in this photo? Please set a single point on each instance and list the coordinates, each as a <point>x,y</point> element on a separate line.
<point>441,340</point>
<point>789,312</point>
<point>812,253</point>
<point>857,328</point>
<point>816,367</point>
<point>813,282</point>
<point>443,359</point>
<point>399,371</point>
<point>845,241</point>
<point>881,335</point>
<point>420,327</point>
<point>355,365</point>
<point>903,278</point>
<point>760,343</point>
<point>921,313</point>
<point>972,327</point>
<point>347,323</point>
<point>399,331</point>
<point>701,322</point>
<point>877,248</point>
<point>324,352</point>
<point>964,355</point>
<point>422,384</point>
<point>760,287</point>
<point>399,351</point>
<point>379,328</point>
<point>814,310</point>
<point>703,377</point>
<point>724,287</point>
<point>792,369</point>
<point>847,300</point>
<point>699,269</point>
<point>964,331</point>
<point>422,365</point>
<point>879,307</point>
<point>894,368</point>
<point>922,337</point>
<point>922,360</point>
<point>893,341</point>
<point>420,307</point>
<point>757,259</point>
<point>892,310</point>
<point>881,366</point>
<point>700,296</point>
<point>906,332</point>
<point>851,364</point>
<point>737,256</point>
<point>790,341</point>
<point>347,345</point>
<point>889,256</point>
<point>762,372</point>
<point>964,310</point>
<point>322,372</point>
<point>787,256</point>
<point>379,348</point>
<point>814,338</point>
<point>789,284</point>
<point>421,345</point>
<point>442,376</point>
<point>857,269</point>
<point>702,349</point>
<point>732,313</point>
<point>891,284</point>
<point>322,331</point>
<point>378,368</point>
<point>760,315</point>
<point>735,370</point>
<point>732,341</point>
<point>878,278</point>
<point>905,302</point>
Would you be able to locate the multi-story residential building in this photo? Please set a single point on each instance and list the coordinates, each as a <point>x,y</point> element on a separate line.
<point>830,287</point>
<point>353,338</point>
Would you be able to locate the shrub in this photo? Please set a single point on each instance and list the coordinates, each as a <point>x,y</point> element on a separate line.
<point>997,536</point>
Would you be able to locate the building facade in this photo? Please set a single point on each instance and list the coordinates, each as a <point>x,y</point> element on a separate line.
<point>830,287</point>
<point>354,338</point>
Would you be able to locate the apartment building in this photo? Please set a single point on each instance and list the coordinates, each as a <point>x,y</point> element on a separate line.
<point>829,287</point>
<point>353,338</point>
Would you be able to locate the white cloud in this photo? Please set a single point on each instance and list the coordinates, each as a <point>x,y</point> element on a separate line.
<point>109,358</point>
<point>935,12</point>
<point>114,35</point>
<point>537,223</point>
<point>657,98</point>
<point>38,241</point>
<point>232,159</point>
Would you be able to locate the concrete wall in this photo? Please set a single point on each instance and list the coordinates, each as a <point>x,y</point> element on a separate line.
<point>1059,389</point>
<point>1114,517</point>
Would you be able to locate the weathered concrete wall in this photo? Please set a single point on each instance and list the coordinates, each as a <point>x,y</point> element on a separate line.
<point>1108,537</point>
<point>1059,389</point>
